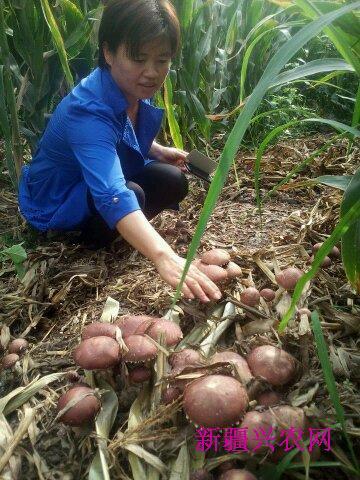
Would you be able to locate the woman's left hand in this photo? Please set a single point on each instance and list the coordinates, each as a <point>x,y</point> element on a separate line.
<point>174,156</point>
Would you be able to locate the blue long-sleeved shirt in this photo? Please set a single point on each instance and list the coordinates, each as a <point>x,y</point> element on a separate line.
<point>89,144</point>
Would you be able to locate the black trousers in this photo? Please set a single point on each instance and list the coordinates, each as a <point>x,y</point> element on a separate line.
<point>158,186</point>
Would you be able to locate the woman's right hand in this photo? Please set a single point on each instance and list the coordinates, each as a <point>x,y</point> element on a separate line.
<point>196,284</point>
<point>136,230</point>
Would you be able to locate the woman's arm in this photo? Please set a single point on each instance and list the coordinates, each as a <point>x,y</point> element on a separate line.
<point>156,151</point>
<point>137,231</point>
<point>171,155</point>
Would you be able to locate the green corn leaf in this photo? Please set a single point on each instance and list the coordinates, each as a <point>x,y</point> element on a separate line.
<point>245,62</point>
<point>231,34</point>
<point>330,380</point>
<point>336,35</point>
<point>350,243</point>
<point>186,13</point>
<point>312,68</point>
<point>6,130</point>
<point>279,60</point>
<point>356,113</point>
<point>78,28</point>
<point>337,181</point>
<point>342,227</point>
<point>170,115</point>
<point>9,105</point>
<point>59,42</point>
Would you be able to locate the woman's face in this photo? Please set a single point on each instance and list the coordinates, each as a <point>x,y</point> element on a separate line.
<point>140,78</point>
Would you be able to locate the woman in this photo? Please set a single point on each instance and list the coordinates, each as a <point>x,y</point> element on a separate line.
<point>97,167</point>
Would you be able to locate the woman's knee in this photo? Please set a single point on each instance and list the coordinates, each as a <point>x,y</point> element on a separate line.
<point>183,186</point>
<point>169,179</point>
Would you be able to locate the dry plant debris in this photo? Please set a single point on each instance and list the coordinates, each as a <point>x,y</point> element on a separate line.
<point>65,288</point>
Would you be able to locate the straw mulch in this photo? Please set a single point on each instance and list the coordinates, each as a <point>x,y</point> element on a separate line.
<point>66,286</point>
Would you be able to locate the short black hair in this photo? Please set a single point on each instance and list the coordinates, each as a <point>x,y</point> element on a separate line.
<point>136,22</point>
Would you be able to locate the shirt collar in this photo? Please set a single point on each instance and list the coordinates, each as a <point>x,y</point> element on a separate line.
<point>149,116</point>
<point>113,95</point>
<point>117,101</point>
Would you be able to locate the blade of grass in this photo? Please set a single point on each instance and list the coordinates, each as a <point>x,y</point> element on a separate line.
<point>283,55</point>
<point>330,380</point>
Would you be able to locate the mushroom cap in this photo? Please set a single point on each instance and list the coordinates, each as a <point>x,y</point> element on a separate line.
<point>97,353</point>
<point>274,365</point>
<point>144,327</point>
<point>287,417</point>
<point>19,345</point>
<point>84,410</point>
<point>317,246</point>
<point>172,332</point>
<point>201,474</point>
<point>184,358</point>
<point>334,252</point>
<point>216,273</point>
<point>140,348</point>
<point>9,361</point>
<point>233,357</point>
<point>267,294</point>
<point>99,329</point>
<point>216,256</point>
<point>139,374</point>
<point>256,423</point>
<point>227,465</point>
<point>237,474</point>
<point>129,323</point>
<point>215,401</point>
<point>233,270</point>
<point>250,296</point>
<point>288,278</point>
<point>170,394</point>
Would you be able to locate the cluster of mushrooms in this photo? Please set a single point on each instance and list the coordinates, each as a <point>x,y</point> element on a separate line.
<point>15,349</point>
<point>227,388</point>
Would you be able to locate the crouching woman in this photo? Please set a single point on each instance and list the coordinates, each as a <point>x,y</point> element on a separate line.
<point>97,167</point>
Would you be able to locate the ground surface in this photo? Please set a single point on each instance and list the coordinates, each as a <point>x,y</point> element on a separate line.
<point>66,287</point>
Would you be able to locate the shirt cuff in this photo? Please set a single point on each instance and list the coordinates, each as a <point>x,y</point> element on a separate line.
<point>117,206</point>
